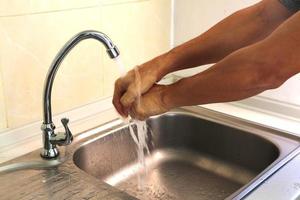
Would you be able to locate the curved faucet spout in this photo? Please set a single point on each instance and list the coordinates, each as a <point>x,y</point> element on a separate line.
<point>112,51</point>
<point>49,137</point>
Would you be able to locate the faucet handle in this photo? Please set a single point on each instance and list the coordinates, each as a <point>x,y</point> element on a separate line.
<point>68,135</point>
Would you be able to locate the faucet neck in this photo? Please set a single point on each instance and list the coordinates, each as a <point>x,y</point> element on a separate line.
<point>112,51</point>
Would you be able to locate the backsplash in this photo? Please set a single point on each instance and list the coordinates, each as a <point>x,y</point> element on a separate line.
<point>31,36</point>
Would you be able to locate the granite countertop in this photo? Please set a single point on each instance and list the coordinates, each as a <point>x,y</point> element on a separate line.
<point>54,179</point>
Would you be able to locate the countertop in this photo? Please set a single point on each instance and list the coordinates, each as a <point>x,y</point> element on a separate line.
<point>58,179</point>
<point>283,185</point>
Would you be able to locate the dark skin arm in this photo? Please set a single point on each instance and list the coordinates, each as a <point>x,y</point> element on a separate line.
<point>239,30</point>
<point>244,73</point>
<point>243,28</point>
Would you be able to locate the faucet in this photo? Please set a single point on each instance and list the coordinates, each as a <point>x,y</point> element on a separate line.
<point>50,138</point>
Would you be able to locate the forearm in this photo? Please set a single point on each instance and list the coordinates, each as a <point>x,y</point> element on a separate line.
<point>244,73</point>
<point>248,71</point>
<point>230,80</point>
<point>241,29</point>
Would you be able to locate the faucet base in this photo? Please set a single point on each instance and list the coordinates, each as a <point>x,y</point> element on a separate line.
<point>49,153</point>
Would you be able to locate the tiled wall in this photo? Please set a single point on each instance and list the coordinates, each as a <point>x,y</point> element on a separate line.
<point>32,32</point>
<point>3,123</point>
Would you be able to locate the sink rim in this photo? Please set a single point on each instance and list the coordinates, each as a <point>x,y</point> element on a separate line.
<point>264,132</point>
<point>261,131</point>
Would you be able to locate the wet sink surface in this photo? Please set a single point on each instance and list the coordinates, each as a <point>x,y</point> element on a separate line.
<point>174,174</point>
<point>191,158</point>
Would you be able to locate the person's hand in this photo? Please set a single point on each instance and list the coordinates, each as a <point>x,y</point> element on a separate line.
<point>151,103</point>
<point>135,83</point>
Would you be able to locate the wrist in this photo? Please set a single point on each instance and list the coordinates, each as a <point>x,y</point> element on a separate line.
<point>166,63</point>
<point>168,99</point>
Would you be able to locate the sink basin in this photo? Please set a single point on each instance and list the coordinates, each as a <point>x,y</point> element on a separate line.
<point>193,156</point>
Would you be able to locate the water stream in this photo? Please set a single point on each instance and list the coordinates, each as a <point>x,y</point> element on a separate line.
<point>138,129</point>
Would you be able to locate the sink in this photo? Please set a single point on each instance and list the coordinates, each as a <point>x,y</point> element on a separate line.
<point>195,154</point>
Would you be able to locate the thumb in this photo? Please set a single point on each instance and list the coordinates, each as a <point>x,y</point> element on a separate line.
<point>129,97</point>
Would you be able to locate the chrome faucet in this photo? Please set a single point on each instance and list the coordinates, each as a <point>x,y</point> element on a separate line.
<point>50,138</point>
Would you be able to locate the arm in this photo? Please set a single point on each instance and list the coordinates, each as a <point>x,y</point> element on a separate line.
<point>241,29</point>
<point>244,73</point>
<point>236,31</point>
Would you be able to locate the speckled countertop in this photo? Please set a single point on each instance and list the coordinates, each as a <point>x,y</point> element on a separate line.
<point>58,179</point>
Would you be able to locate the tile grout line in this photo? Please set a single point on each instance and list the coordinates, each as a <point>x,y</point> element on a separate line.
<point>49,12</point>
<point>73,9</point>
<point>5,122</point>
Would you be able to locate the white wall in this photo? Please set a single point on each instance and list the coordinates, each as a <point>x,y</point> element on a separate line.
<point>193,17</point>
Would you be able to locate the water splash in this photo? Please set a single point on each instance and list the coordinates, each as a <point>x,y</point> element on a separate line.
<point>138,129</point>
<point>140,138</point>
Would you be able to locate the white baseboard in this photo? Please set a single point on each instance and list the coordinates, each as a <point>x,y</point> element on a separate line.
<point>271,107</point>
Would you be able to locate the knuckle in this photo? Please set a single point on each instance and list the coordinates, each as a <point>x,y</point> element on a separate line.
<point>132,90</point>
<point>114,102</point>
<point>118,82</point>
<point>124,101</point>
<point>129,93</point>
<point>131,74</point>
<point>115,99</point>
<point>140,114</point>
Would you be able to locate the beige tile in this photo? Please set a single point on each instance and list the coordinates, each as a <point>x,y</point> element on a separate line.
<point>21,7</point>
<point>3,123</point>
<point>28,45</point>
<point>111,2</point>
<point>141,30</point>
<point>24,7</point>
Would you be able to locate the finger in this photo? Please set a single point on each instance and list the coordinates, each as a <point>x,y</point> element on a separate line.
<point>118,106</point>
<point>137,113</point>
<point>119,109</point>
<point>118,91</point>
<point>129,97</point>
<point>133,114</point>
<point>121,86</point>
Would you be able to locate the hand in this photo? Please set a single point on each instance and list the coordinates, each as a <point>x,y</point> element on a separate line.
<point>151,103</point>
<point>138,80</point>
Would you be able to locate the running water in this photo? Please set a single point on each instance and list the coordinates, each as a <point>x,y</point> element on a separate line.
<point>138,129</point>
<point>120,65</point>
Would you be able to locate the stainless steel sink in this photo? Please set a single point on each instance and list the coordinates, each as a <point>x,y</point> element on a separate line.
<point>195,154</point>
